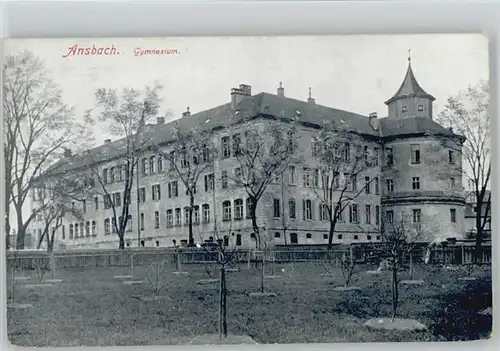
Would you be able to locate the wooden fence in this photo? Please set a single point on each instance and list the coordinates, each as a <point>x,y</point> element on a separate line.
<point>453,254</point>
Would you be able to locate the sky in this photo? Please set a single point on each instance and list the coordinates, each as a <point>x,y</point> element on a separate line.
<point>350,72</point>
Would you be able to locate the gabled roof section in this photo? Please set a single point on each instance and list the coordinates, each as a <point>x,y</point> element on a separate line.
<point>410,88</point>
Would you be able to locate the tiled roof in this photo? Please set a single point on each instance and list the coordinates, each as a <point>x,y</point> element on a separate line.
<point>394,126</point>
<point>262,104</point>
<point>410,87</point>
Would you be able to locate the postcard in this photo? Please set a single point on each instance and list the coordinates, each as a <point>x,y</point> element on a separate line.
<point>247,190</point>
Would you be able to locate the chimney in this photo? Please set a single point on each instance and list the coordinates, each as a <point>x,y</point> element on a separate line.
<point>310,99</point>
<point>160,120</point>
<point>281,90</point>
<point>373,120</point>
<point>187,113</point>
<point>67,152</point>
<point>237,94</point>
<point>107,141</point>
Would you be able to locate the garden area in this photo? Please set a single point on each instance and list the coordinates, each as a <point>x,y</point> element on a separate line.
<point>108,306</point>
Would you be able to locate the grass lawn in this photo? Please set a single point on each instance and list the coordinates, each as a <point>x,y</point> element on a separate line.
<point>91,308</point>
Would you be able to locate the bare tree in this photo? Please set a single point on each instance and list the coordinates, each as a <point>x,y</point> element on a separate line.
<point>126,115</point>
<point>341,157</point>
<point>36,125</point>
<point>190,155</point>
<point>397,239</point>
<point>467,113</point>
<point>263,156</point>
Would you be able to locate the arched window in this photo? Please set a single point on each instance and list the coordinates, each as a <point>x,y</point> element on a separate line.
<point>293,238</point>
<point>238,209</point>
<point>206,213</point>
<point>196,214</point>
<point>307,210</point>
<point>186,215</point>
<point>308,236</point>
<point>226,211</point>
<point>277,234</point>
<point>144,167</point>
<point>159,164</point>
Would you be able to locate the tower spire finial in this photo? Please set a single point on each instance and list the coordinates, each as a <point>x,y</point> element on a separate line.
<point>409,55</point>
<point>309,92</point>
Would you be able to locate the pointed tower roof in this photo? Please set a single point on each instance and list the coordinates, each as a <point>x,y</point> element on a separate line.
<point>410,87</point>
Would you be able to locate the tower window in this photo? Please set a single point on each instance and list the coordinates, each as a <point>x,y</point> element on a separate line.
<point>415,153</point>
<point>420,108</point>
<point>404,108</point>
<point>416,183</point>
<point>453,215</point>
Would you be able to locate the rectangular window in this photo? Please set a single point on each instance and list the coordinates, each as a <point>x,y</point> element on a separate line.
<point>390,185</point>
<point>63,232</point>
<point>377,187</point>
<point>111,174</point>
<point>354,183</point>
<point>76,231</point>
<point>276,208</point>
<point>159,164</point>
<point>316,178</point>
<point>307,177</point>
<point>237,144</point>
<point>226,148</point>
<point>346,152</point>
<point>376,156</point>
<point>209,182</point>
<point>389,156</point>
<point>417,213</point>
<point>238,209</point>
<point>196,214</point>
<point>307,210</point>
<point>157,219</point>
<point>452,183</point>
<point>368,214</point>
<point>415,153</point>
<point>323,212</point>
<point>173,190</point>
<point>94,228</point>
<point>377,215</point>
<point>129,223</point>
<point>156,192</point>
<point>117,199</point>
<point>71,233</point>
<point>389,216</point>
<point>107,201</point>
<point>291,208</point>
<point>107,229</point>
<point>226,211</point>
<point>451,156</point>
<point>353,213</point>
<point>367,185</point>
<point>144,167</point>
<point>142,195</point>
<point>96,202</point>
<point>113,225</point>
<point>84,206</point>
<point>453,215</point>
<point>105,176</point>
<point>237,175</point>
<point>291,175</point>
<point>142,221</point>
<point>87,228</point>
<point>173,160</point>
<point>366,155</point>
<point>224,179</point>
<point>415,183</point>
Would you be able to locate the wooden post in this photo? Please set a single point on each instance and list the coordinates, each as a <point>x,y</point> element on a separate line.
<point>132,264</point>
<point>463,254</point>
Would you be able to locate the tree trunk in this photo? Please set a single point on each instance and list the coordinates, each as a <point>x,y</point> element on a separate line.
<point>411,266</point>
<point>7,229</point>
<point>222,304</point>
<point>479,236</point>
<point>20,237</point>
<point>331,231</point>
<point>262,271</point>
<point>394,290</point>
<point>121,244</point>
<point>13,281</point>
<point>191,207</point>
<point>253,215</point>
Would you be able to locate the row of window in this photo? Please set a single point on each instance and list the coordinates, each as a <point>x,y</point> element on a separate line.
<point>417,215</point>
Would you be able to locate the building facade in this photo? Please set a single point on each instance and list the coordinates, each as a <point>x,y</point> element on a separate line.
<point>415,177</point>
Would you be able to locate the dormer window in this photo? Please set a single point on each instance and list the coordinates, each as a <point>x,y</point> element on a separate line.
<point>404,108</point>
<point>420,108</point>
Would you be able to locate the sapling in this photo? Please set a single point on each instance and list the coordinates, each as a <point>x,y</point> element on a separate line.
<point>154,275</point>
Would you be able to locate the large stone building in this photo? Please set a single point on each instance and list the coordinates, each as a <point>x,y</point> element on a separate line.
<point>415,175</point>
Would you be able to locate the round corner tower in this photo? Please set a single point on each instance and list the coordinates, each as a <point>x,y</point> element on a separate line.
<point>422,171</point>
